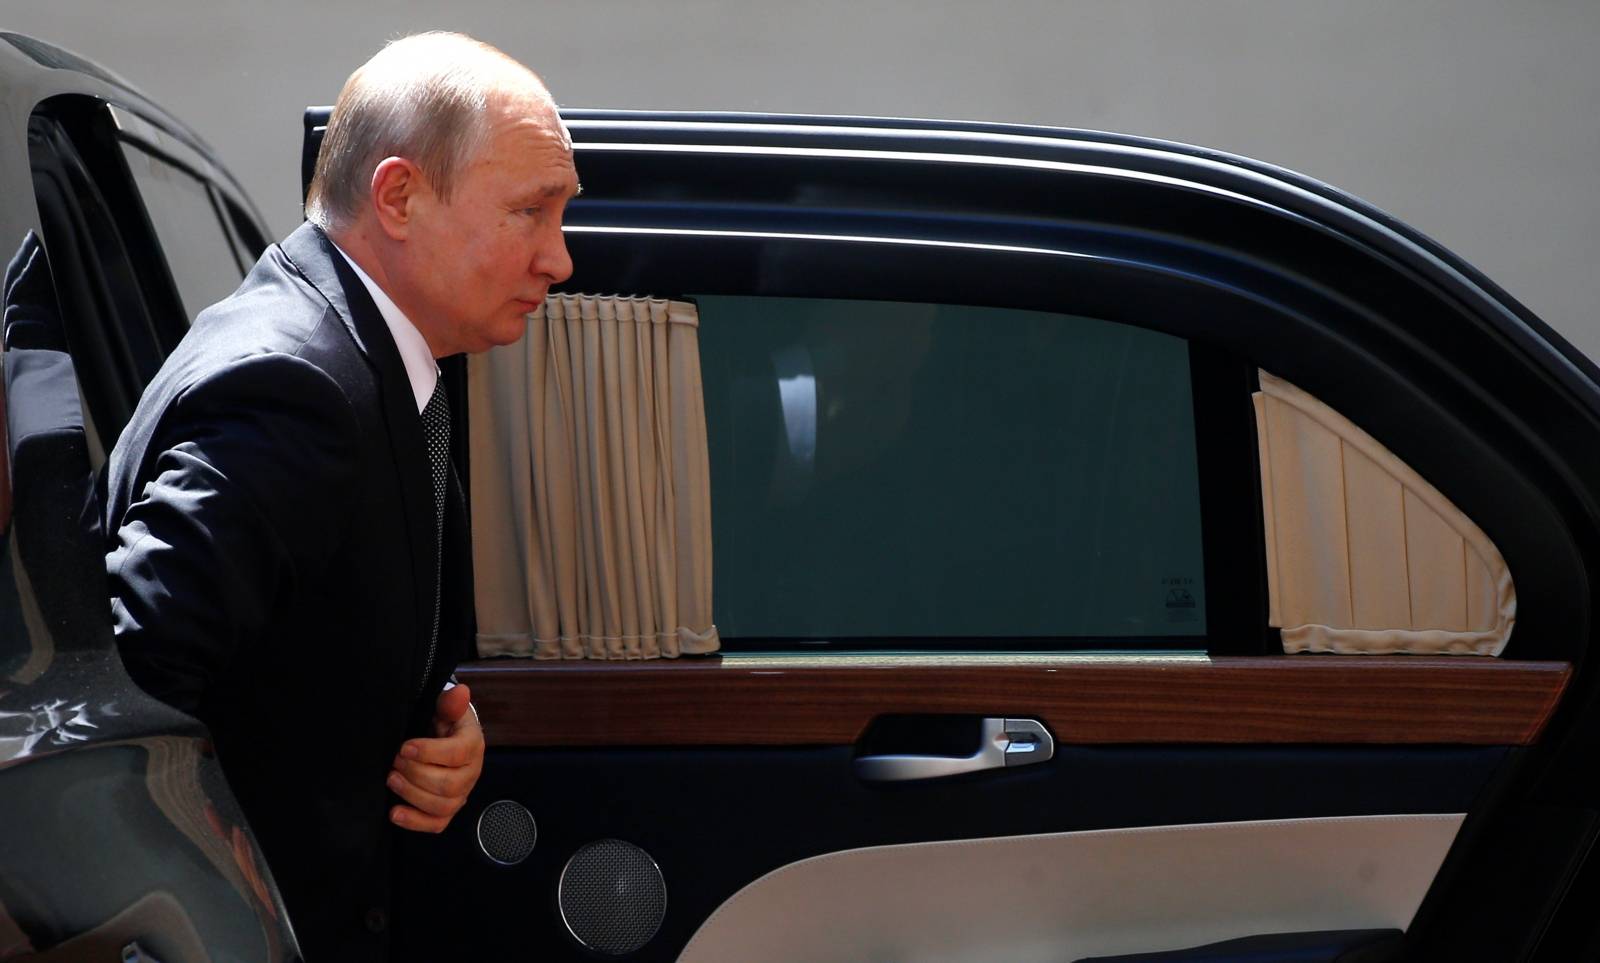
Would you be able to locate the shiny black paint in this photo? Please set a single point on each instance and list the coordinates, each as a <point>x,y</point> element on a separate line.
<point>117,831</point>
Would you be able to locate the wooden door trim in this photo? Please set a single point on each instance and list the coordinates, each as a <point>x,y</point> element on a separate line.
<point>755,700</point>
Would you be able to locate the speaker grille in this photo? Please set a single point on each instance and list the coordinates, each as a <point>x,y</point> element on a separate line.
<point>506,832</point>
<point>612,897</point>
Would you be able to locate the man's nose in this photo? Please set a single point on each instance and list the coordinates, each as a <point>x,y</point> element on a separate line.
<point>553,261</point>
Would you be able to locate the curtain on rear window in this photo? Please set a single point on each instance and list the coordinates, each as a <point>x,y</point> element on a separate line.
<point>591,505</point>
<point>1363,555</point>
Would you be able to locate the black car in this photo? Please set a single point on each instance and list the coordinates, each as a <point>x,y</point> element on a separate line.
<point>1122,550</point>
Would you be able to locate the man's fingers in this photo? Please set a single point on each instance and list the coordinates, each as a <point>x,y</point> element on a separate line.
<point>449,751</point>
<point>435,776</point>
<point>439,780</point>
<point>452,705</point>
<point>408,817</point>
<point>430,803</point>
<point>458,749</point>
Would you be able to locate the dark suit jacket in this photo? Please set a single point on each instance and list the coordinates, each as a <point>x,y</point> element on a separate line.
<point>271,560</point>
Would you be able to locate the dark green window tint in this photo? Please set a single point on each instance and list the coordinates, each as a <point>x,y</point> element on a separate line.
<point>904,471</point>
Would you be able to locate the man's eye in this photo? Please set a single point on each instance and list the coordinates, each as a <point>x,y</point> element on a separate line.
<point>530,211</point>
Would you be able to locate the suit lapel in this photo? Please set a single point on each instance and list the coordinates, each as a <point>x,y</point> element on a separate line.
<point>309,249</point>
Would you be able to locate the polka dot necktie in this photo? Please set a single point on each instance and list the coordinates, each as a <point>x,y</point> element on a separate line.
<point>436,431</point>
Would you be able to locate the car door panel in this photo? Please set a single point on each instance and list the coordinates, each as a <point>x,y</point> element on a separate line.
<point>754,773</point>
<point>1328,946</point>
<point>717,820</point>
<point>1061,896</point>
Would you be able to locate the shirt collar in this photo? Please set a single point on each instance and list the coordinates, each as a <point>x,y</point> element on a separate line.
<point>421,370</point>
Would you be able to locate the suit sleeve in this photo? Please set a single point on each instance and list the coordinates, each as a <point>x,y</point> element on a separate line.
<point>245,487</point>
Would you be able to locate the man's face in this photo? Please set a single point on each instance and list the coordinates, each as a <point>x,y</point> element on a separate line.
<point>484,260</point>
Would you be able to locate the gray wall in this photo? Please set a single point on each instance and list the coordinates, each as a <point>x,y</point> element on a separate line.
<point>1473,120</point>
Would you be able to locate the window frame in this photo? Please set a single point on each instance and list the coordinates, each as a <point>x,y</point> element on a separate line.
<point>132,133</point>
<point>135,285</point>
<point>97,286</point>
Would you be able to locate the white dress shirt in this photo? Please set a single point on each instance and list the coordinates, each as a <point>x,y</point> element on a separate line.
<point>421,369</point>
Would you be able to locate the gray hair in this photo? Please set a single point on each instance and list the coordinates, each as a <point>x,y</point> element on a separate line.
<point>424,97</point>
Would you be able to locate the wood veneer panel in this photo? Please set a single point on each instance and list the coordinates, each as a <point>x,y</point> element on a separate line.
<point>774,701</point>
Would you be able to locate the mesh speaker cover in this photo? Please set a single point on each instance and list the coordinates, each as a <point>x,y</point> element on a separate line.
<point>612,897</point>
<point>506,832</point>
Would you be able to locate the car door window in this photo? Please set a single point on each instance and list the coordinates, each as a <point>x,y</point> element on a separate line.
<point>200,251</point>
<point>141,240</point>
<point>922,471</point>
<point>115,338</point>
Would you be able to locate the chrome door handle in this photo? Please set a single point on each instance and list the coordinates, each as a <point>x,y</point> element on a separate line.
<point>1005,742</point>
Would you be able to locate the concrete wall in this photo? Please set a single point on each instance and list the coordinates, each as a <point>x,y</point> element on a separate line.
<point>1473,120</point>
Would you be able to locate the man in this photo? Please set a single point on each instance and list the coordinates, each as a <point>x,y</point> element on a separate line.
<point>287,553</point>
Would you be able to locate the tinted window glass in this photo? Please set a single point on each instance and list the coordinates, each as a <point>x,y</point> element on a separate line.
<point>885,470</point>
<point>199,251</point>
<point>112,335</point>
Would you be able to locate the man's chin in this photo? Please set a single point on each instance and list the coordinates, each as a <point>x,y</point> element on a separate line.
<point>510,332</point>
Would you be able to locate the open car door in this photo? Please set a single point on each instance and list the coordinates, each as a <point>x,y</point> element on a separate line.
<point>119,837</point>
<point>1118,550</point>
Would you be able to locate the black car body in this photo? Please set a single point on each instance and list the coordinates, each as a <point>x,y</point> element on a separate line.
<point>101,776</point>
<point>733,772</point>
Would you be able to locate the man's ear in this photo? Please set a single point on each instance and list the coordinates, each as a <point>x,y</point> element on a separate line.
<point>397,186</point>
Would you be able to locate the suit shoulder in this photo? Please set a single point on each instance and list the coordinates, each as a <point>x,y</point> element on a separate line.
<point>282,380</point>
<point>294,413</point>
<point>274,309</point>
<point>275,312</point>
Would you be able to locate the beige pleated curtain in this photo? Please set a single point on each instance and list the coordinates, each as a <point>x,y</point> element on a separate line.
<point>591,505</point>
<point>1363,554</point>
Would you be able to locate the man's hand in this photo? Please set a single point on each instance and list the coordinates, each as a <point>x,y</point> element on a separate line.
<point>435,775</point>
